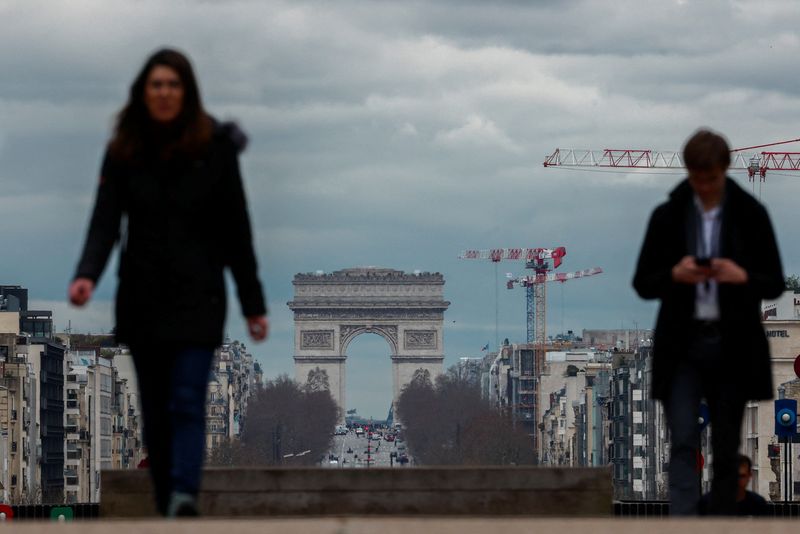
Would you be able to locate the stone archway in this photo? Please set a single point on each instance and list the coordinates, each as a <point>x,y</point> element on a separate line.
<point>330,310</point>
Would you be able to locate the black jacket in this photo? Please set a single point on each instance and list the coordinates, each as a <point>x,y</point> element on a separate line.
<point>180,222</point>
<point>747,238</point>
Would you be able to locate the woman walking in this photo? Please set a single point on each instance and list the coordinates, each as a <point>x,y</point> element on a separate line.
<point>170,192</point>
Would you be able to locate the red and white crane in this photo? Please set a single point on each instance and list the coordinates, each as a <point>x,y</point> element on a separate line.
<point>747,158</point>
<point>536,289</point>
<point>538,260</point>
<point>553,277</point>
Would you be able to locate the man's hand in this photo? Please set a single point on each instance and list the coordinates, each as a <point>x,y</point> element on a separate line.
<point>726,271</point>
<point>687,271</point>
<point>258,326</point>
<point>80,291</point>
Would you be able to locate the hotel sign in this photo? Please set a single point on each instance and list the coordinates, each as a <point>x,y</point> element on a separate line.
<point>777,333</point>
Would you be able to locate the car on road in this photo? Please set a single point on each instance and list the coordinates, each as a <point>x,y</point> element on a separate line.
<point>389,437</point>
<point>359,431</point>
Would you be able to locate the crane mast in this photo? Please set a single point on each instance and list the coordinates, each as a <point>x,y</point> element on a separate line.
<point>537,286</point>
<point>536,259</point>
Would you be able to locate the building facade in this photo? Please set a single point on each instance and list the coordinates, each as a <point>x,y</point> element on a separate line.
<point>19,475</point>
<point>232,381</point>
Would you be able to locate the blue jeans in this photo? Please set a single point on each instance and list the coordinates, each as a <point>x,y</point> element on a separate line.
<point>173,384</point>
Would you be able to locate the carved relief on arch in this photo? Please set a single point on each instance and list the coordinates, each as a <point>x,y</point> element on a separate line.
<point>349,331</point>
<point>420,339</point>
<point>316,339</point>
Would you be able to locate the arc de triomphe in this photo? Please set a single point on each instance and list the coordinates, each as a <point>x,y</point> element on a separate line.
<point>330,310</point>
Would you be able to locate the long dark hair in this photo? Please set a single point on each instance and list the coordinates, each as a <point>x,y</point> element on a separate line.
<point>192,128</point>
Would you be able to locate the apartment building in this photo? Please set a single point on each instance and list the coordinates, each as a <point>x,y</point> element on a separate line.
<point>19,475</point>
<point>232,380</point>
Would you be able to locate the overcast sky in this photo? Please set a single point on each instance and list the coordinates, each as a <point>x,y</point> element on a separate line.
<point>396,134</point>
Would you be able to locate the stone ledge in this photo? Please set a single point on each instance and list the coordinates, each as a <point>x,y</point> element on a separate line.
<point>402,525</point>
<point>443,491</point>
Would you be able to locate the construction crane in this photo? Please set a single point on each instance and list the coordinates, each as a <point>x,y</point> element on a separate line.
<point>536,259</point>
<point>531,283</point>
<point>746,158</point>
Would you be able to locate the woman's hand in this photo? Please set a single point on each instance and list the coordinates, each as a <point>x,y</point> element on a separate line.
<point>258,326</point>
<point>80,291</point>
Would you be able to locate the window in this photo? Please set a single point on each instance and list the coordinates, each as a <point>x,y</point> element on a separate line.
<point>105,383</point>
<point>105,404</point>
<point>526,357</point>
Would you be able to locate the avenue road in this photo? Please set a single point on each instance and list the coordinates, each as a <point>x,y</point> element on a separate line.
<point>351,451</point>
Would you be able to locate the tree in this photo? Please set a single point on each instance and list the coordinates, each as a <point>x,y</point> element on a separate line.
<point>228,453</point>
<point>32,496</point>
<point>449,423</point>
<point>793,282</point>
<point>283,418</point>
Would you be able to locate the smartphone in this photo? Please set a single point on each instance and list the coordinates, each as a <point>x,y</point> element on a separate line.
<point>703,262</point>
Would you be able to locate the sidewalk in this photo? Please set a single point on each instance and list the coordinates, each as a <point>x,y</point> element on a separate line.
<point>355,525</point>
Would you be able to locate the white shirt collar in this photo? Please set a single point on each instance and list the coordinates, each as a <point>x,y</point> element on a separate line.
<point>707,214</point>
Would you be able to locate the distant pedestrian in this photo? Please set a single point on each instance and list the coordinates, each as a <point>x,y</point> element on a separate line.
<point>171,173</point>
<point>748,503</point>
<point>710,256</point>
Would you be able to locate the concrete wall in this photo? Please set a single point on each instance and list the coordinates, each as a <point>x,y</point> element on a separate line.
<point>524,491</point>
<point>9,323</point>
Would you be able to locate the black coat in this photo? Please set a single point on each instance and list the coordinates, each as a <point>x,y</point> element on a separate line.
<point>746,237</point>
<point>180,222</point>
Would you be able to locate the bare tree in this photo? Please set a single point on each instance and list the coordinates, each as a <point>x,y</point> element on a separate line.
<point>33,495</point>
<point>793,282</point>
<point>229,452</point>
<point>286,424</point>
<point>449,423</point>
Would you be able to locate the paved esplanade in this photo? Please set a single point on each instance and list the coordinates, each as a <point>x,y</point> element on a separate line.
<point>330,310</point>
<point>396,525</point>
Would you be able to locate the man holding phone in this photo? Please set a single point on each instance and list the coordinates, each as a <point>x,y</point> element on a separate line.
<point>710,256</point>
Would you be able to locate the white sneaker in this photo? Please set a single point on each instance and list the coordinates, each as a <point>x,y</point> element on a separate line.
<point>182,505</point>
